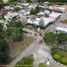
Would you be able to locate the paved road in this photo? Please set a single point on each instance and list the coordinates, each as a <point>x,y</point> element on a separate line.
<point>42,54</point>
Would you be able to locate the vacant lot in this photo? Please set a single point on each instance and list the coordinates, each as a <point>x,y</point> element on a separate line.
<point>18,47</point>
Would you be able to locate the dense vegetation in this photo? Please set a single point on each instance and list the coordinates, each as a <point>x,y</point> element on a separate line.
<point>41,65</point>
<point>17,9</point>
<point>4,56</point>
<point>25,62</point>
<point>57,41</point>
<point>59,55</point>
<point>55,38</point>
<point>49,37</point>
<point>36,10</point>
<point>57,0</point>
<point>14,32</point>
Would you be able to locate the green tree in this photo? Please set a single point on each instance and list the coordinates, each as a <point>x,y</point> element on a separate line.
<point>14,32</point>
<point>26,61</point>
<point>41,65</point>
<point>4,56</point>
<point>42,0</point>
<point>17,9</point>
<point>29,1</point>
<point>2,31</point>
<point>57,56</point>
<point>61,37</point>
<point>49,37</point>
<point>3,46</point>
<point>64,60</point>
<point>36,10</point>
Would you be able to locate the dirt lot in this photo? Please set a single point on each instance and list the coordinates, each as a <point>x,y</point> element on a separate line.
<point>18,47</point>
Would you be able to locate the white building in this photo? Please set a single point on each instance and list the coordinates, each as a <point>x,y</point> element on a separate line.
<point>10,15</point>
<point>43,12</point>
<point>61,29</point>
<point>9,8</point>
<point>62,8</point>
<point>43,20</point>
<point>24,12</point>
<point>54,15</point>
<point>39,21</point>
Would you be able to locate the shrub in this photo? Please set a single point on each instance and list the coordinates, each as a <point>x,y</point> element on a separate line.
<point>64,60</point>
<point>49,37</point>
<point>25,62</point>
<point>17,9</point>
<point>56,56</point>
<point>41,65</point>
<point>59,55</point>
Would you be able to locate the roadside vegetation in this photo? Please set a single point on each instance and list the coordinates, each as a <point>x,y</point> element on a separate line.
<point>25,62</point>
<point>59,55</point>
<point>12,33</point>
<point>57,42</point>
<point>59,38</point>
<point>12,40</point>
<point>4,56</point>
<point>41,65</point>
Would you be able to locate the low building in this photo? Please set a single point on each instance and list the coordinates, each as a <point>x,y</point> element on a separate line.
<point>42,21</point>
<point>55,15</point>
<point>62,8</point>
<point>10,15</point>
<point>61,29</point>
<point>8,8</point>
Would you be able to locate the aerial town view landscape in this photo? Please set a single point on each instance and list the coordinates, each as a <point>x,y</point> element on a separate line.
<point>33,33</point>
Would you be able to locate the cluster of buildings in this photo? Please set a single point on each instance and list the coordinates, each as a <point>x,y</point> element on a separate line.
<point>42,18</point>
<point>61,27</point>
<point>43,21</point>
<point>62,8</point>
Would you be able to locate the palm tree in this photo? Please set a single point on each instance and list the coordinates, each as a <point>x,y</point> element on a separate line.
<point>9,38</point>
<point>14,32</point>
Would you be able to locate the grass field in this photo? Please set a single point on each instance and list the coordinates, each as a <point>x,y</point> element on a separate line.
<point>62,52</point>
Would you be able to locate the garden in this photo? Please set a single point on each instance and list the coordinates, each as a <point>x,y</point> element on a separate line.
<point>57,42</point>
<point>25,62</point>
<point>59,55</point>
<point>41,65</point>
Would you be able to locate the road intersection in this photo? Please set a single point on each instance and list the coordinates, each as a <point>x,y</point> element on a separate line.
<point>40,51</point>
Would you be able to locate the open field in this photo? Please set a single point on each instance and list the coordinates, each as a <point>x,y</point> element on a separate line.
<point>63,53</point>
<point>18,47</point>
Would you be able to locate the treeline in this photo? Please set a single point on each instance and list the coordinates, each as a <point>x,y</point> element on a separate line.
<point>13,32</point>
<point>57,0</point>
<point>52,0</point>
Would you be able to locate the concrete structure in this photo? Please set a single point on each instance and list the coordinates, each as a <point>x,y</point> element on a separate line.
<point>61,29</point>
<point>43,21</point>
